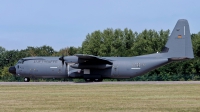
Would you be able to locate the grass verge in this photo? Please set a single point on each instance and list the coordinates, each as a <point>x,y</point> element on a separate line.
<point>100,98</point>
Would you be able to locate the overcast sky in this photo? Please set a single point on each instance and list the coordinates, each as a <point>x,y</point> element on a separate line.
<point>64,23</point>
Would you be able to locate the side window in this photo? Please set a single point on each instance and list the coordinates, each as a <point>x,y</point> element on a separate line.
<point>18,66</point>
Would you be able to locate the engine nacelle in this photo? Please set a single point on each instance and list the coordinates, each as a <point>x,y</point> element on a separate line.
<point>82,66</point>
<point>71,59</point>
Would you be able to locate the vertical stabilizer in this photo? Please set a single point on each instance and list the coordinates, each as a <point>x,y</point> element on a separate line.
<point>179,45</point>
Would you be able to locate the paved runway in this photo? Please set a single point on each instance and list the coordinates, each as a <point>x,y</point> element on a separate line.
<point>91,83</point>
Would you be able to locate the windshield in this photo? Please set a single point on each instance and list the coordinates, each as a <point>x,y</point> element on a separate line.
<point>20,62</point>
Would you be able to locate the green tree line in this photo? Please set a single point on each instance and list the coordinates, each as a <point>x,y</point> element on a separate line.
<point>116,42</point>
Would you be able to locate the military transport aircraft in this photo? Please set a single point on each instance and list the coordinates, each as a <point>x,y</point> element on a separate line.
<point>95,68</point>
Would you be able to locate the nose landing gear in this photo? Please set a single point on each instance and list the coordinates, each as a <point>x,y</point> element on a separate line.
<point>26,79</point>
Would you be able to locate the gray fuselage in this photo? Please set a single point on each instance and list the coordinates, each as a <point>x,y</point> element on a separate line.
<point>123,67</point>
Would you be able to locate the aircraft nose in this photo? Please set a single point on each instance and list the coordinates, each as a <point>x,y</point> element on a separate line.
<point>12,70</point>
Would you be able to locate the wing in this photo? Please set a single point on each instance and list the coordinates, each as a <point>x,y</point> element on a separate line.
<point>92,60</point>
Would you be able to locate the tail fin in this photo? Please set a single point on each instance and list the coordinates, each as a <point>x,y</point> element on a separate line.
<point>179,45</point>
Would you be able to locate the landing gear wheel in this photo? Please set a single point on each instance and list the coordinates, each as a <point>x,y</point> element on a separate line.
<point>26,79</point>
<point>88,80</point>
<point>98,80</point>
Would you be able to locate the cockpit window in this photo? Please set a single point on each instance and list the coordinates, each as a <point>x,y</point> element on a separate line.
<point>20,62</point>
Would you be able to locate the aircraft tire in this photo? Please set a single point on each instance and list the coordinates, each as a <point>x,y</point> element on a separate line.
<point>26,79</point>
<point>89,80</point>
<point>98,80</point>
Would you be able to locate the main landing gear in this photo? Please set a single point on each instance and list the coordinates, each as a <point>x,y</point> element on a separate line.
<point>26,79</point>
<point>93,80</point>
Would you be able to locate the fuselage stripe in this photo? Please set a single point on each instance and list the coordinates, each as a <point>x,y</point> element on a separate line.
<point>135,68</point>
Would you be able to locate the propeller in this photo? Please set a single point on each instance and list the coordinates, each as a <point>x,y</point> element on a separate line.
<point>62,59</point>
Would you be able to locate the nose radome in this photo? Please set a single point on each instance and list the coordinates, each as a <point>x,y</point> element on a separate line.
<point>12,70</point>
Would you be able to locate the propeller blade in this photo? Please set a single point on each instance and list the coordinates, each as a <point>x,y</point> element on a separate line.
<point>62,59</point>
